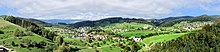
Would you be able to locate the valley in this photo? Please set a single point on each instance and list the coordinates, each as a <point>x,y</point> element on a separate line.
<point>105,35</point>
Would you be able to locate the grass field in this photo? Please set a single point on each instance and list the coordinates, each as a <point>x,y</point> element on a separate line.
<point>19,49</point>
<point>136,33</point>
<point>76,41</point>
<point>110,49</point>
<point>18,41</point>
<point>103,49</point>
<point>126,26</point>
<point>36,38</point>
<point>162,38</point>
<point>8,28</point>
<point>7,38</point>
<point>88,50</point>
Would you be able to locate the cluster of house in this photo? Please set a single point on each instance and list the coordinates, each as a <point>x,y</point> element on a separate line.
<point>83,29</point>
<point>194,26</point>
<point>82,34</point>
<point>119,30</point>
<point>147,28</point>
<point>186,27</point>
<point>62,31</point>
<point>65,31</point>
<point>117,38</point>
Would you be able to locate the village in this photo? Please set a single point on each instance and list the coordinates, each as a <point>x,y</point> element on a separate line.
<point>82,32</point>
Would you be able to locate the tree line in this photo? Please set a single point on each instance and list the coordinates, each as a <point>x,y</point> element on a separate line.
<point>30,26</point>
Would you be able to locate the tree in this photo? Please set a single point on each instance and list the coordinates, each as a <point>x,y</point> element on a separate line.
<point>18,33</point>
<point>59,40</point>
<point>13,43</point>
<point>63,48</point>
<point>26,42</point>
<point>1,32</point>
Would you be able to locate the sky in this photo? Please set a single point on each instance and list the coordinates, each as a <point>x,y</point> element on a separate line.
<point>99,9</point>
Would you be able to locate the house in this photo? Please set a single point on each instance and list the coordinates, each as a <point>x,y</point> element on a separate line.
<point>137,39</point>
<point>188,28</point>
<point>4,49</point>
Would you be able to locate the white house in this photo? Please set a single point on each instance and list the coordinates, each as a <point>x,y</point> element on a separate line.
<point>137,39</point>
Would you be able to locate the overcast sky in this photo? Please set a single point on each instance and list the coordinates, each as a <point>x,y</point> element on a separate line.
<point>98,9</point>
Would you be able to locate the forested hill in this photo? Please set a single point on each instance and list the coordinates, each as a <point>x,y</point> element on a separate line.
<point>31,25</point>
<point>107,21</point>
<point>202,18</point>
<point>38,22</point>
<point>112,20</point>
<point>175,18</point>
<point>206,40</point>
<point>157,22</point>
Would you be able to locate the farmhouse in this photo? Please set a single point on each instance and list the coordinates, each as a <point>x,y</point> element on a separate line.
<point>3,49</point>
<point>137,39</point>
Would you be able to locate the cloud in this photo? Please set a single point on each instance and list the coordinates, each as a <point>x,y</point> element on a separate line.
<point>98,9</point>
<point>211,5</point>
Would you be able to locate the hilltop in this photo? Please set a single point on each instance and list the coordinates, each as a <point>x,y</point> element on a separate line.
<point>156,22</point>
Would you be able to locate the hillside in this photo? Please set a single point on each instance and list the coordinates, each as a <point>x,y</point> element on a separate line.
<point>16,38</point>
<point>158,22</point>
<point>205,40</point>
<point>202,18</point>
<point>39,22</point>
<point>8,28</point>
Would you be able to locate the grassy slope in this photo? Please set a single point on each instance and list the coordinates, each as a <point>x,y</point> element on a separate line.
<point>136,33</point>
<point>159,38</point>
<point>87,50</point>
<point>103,49</point>
<point>162,38</point>
<point>111,49</point>
<point>9,28</point>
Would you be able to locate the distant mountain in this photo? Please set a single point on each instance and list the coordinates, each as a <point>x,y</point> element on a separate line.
<point>215,16</point>
<point>56,21</point>
<point>39,22</point>
<point>112,20</point>
<point>107,21</point>
<point>202,18</point>
<point>3,15</point>
<point>174,18</point>
<point>158,22</point>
